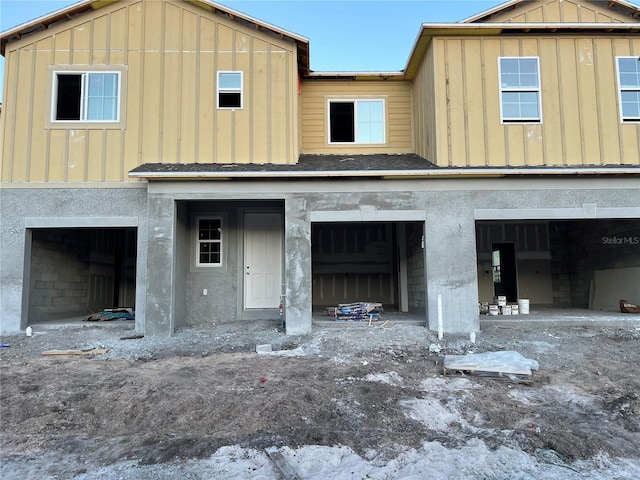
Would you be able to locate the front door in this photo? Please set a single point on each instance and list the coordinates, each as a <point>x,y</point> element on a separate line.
<point>262,259</point>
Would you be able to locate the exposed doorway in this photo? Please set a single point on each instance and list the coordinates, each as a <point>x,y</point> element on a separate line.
<point>505,274</point>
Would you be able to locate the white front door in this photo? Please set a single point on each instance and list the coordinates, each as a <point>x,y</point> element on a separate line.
<point>262,260</point>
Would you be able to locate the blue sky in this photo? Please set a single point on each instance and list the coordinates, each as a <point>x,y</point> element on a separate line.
<point>344,35</point>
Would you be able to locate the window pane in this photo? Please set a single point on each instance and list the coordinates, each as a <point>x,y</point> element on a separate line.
<point>229,100</point>
<point>68,97</point>
<point>519,72</point>
<point>209,229</point>
<point>341,122</point>
<point>520,106</point>
<point>229,80</point>
<point>631,105</point>
<point>102,95</point>
<point>370,121</point>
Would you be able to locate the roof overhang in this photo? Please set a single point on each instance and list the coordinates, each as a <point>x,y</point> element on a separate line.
<point>68,13</point>
<point>430,30</point>
<point>628,8</point>
<point>463,172</point>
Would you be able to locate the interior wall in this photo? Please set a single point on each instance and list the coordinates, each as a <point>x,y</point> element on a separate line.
<point>353,262</point>
<point>59,274</point>
<point>596,245</point>
<point>533,258</point>
<point>74,272</point>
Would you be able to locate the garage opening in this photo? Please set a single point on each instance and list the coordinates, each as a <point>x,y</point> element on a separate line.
<point>588,264</point>
<point>74,272</point>
<point>380,262</point>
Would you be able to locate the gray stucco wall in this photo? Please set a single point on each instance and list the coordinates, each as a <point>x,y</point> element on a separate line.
<point>22,208</point>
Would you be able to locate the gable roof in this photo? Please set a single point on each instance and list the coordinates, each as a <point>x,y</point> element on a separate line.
<point>86,6</point>
<point>620,7</point>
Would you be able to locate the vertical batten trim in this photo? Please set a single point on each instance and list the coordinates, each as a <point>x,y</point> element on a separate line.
<point>249,93</point>
<point>596,73</point>
<point>448,102</point>
<point>103,156</point>
<point>34,54</point>
<point>465,100</point>
<point>561,103</point>
<point>91,34</point>
<point>178,158</point>
<point>65,156</point>
<point>47,152</point>
<point>123,136</point>
<point>269,110</point>
<point>485,119</point>
<point>161,92</point>
<point>580,93</point>
<point>14,113</point>
<point>196,137</point>
<point>87,140</point>
<point>214,134</point>
<point>141,82</point>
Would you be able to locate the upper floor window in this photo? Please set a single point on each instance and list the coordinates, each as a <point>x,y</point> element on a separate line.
<point>357,121</point>
<point>520,90</point>
<point>230,90</point>
<point>629,87</point>
<point>86,97</point>
<point>209,242</point>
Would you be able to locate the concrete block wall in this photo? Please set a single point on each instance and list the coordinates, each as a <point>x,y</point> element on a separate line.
<point>415,268</point>
<point>59,274</point>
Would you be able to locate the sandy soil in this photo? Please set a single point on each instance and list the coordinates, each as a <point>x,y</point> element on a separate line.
<point>362,402</point>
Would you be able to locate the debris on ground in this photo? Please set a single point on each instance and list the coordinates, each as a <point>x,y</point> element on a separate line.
<point>109,314</point>
<point>626,307</point>
<point>89,351</point>
<point>508,364</point>
<point>358,311</point>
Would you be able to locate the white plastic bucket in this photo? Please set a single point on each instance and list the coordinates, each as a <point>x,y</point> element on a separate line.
<point>523,306</point>
<point>506,309</point>
<point>493,310</point>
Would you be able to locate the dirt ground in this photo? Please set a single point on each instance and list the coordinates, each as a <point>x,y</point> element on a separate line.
<point>378,390</point>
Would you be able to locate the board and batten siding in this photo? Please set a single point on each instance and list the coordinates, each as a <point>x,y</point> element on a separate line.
<point>579,90</point>
<point>315,94</point>
<point>563,11</point>
<point>170,52</point>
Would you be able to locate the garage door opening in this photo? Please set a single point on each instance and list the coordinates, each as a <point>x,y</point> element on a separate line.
<point>379,262</point>
<point>585,264</point>
<point>74,272</point>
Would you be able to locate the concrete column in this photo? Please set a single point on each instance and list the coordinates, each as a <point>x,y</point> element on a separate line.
<point>14,275</point>
<point>159,311</point>
<point>297,268</point>
<point>451,266</point>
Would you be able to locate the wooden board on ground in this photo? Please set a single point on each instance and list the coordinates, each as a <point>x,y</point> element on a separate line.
<point>91,351</point>
<point>287,471</point>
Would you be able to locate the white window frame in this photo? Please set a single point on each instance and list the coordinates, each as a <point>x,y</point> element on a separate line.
<point>220,89</point>
<point>524,89</point>
<point>355,102</point>
<point>622,88</point>
<point>219,241</point>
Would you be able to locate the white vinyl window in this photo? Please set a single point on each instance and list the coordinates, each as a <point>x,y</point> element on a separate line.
<point>357,121</point>
<point>86,97</point>
<point>520,90</point>
<point>229,90</point>
<point>629,88</point>
<point>209,242</point>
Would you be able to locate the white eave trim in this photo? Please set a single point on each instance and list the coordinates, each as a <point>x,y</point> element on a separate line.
<point>435,172</point>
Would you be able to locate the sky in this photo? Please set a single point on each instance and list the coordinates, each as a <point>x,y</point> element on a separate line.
<point>344,35</point>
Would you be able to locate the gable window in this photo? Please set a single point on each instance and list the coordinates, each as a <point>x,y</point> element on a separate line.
<point>209,242</point>
<point>86,97</point>
<point>229,89</point>
<point>357,121</point>
<point>520,90</point>
<point>629,88</point>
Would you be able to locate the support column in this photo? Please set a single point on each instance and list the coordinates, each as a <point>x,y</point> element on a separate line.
<point>451,271</point>
<point>160,292</point>
<point>298,280</point>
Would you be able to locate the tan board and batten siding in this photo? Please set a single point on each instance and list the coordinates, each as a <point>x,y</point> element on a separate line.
<point>315,94</point>
<point>173,51</point>
<point>579,92</point>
